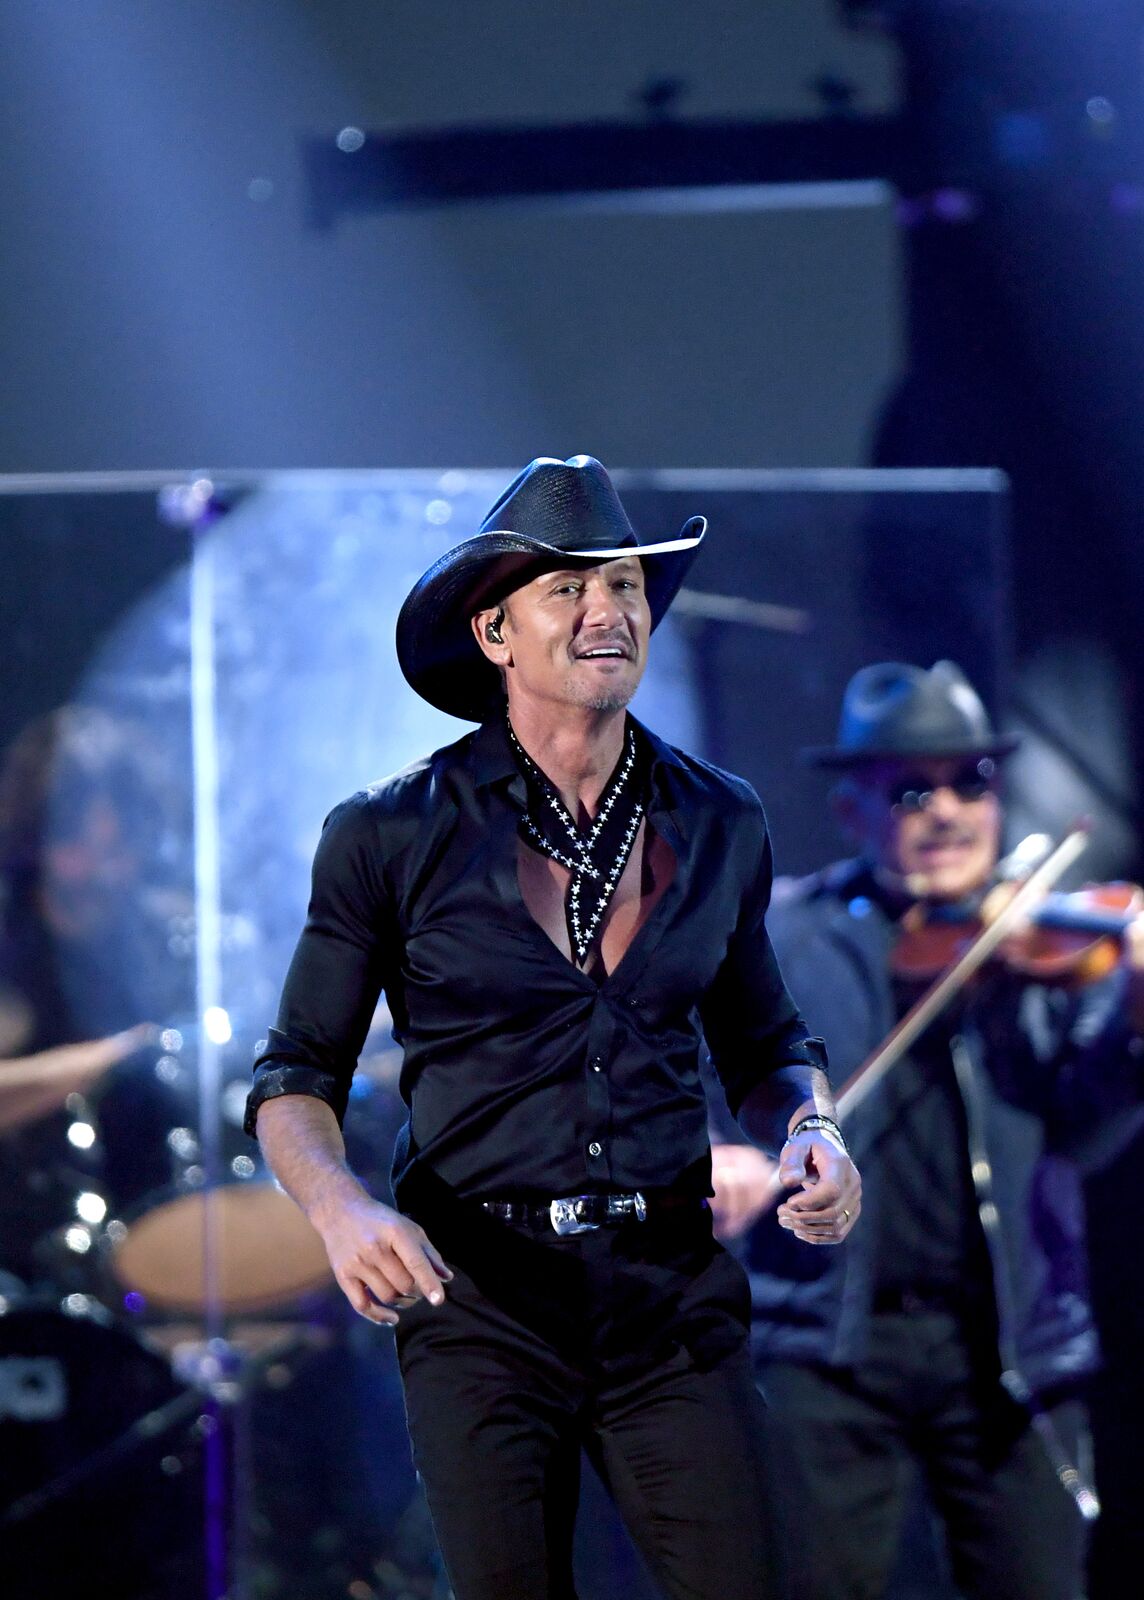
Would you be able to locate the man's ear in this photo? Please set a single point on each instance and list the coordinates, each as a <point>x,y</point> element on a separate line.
<point>487,628</point>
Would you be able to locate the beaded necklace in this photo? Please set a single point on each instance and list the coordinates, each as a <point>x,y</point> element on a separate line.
<point>595,858</point>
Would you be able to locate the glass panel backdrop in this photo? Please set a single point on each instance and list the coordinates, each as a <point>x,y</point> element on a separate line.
<point>204,669</point>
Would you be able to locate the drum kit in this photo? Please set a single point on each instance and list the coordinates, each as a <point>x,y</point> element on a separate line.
<point>156,1306</point>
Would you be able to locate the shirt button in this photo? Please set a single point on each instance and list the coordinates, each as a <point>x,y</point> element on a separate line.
<point>595,1147</point>
<point>597,1064</point>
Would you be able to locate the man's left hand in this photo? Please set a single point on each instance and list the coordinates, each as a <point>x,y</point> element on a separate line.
<point>829,1186</point>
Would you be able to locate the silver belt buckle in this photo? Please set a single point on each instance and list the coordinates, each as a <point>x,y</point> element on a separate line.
<point>640,1207</point>
<point>564,1217</point>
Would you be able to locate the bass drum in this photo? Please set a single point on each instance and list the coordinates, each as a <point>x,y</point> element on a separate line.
<point>239,1244</point>
<point>244,1247</point>
<point>100,1471</point>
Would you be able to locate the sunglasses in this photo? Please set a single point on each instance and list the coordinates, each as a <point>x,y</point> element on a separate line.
<point>915,792</point>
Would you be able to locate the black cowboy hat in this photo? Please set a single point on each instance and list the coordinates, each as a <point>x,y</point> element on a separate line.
<point>892,711</point>
<point>555,514</point>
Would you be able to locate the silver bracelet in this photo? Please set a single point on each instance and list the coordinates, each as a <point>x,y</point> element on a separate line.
<point>827,1124</point>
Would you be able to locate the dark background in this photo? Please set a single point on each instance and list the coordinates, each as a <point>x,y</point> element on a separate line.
<point>970,296</point>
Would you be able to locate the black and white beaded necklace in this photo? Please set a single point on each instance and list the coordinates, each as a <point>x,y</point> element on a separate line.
<point>596,858</point>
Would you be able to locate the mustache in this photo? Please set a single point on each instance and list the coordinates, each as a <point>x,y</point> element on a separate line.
<point>606,641</point>
<point>946,833</point>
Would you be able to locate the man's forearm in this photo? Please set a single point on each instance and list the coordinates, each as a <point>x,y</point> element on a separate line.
<point>302,1142</point>
<point>780,1100</point>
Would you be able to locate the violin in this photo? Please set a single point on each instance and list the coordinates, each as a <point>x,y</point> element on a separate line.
<point>1027,898</point>
<point>1024,926</point>
<point>1073,938</point>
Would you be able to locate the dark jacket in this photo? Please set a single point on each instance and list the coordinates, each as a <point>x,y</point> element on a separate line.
<point>1052,1084</point>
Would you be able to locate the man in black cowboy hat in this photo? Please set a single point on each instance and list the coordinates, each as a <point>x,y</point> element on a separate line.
<point>548,904</point>
<point>955,1331</point>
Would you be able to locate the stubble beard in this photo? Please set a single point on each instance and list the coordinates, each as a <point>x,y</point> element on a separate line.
<point>604,697</point>
<point>605,694</point>
<point>607,702</point>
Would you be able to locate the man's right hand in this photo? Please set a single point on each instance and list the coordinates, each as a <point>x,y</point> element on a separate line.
<point>383,1262</point>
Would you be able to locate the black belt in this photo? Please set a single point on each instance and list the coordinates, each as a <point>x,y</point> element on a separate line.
<point>581,1213</point>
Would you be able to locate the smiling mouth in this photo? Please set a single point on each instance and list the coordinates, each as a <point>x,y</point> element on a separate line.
<point>941,846</point>
<point>604,652</point>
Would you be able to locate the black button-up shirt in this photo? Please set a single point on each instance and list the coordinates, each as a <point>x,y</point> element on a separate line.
<point>523,1074</point>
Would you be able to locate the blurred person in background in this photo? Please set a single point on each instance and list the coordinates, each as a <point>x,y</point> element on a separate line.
<point>953,1334</point>
<point>83,960</point>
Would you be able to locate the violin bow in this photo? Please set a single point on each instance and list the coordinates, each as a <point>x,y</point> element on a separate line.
<point>943,990</point>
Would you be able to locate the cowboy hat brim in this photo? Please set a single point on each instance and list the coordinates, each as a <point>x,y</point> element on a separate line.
<point>436,649</point>
<point>838,756</point>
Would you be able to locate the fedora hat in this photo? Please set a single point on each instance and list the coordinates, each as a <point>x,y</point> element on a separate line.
<point>555,514</point>
<point>892,710</point>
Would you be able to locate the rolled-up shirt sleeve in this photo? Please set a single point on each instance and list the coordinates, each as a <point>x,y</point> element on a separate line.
<point>338,970</point>
<point>751,1024</point>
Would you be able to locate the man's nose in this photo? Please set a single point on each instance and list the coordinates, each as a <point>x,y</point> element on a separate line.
<point>603,608</point>
<point>943,802</point>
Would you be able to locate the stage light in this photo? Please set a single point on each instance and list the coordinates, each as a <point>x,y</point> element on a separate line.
<point>90,1207</point>
<point>167,1069</point>
<point>183,1143</point>
<point>216,1025</point>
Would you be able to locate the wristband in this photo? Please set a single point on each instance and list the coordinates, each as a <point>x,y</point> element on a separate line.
<point>827,1124</point>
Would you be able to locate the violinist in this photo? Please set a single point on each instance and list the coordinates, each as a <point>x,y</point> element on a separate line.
<point>952,1333</point>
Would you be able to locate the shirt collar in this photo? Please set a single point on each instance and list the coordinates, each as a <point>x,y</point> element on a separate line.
<point>490,754</point>
<point>668,802</point>
<point>664,757</point>
<point>491,761</point>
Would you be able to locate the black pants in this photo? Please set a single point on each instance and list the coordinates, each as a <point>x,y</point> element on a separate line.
<point>628,1342</point>
<point>847,1441</point>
